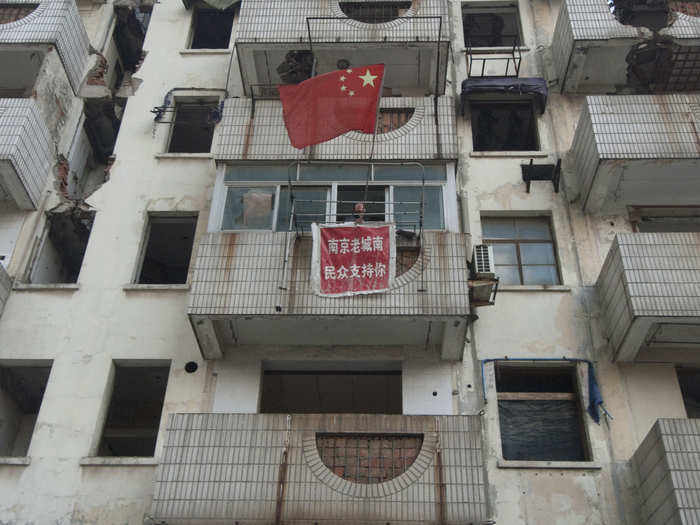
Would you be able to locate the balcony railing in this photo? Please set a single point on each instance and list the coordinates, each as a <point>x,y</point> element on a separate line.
<point>649,295</point>
<point>275,468</point>
<point>637,149</point>
<point>26,151</point>
<point>668,466</point>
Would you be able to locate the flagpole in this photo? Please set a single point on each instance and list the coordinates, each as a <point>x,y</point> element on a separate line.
<point>374,136</point>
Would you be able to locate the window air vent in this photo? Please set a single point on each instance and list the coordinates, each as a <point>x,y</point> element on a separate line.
<point>483,262</point>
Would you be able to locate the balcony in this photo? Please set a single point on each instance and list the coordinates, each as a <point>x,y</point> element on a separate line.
<point>650,297</point>
<point>274,468</point>
<point>277,42</point>
<point>253,129</point>
<point>636,150</point>
<point>668,469</point>
<point>46,23</point>
<point>244,293</point>
<point>26,152</point>
<point>594,53</point>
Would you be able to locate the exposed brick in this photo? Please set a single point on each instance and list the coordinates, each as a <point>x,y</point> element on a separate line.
<point>688,8</point>
<point>13,12</point>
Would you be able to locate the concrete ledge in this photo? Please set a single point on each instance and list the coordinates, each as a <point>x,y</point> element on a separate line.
<point>155,287</point>
<point>566,465</point>
<point>20,461</point>
<point>186,52</point>
<point>509,154</point>
<point>207,156</point>
<point>496,50</point>
<point>99,461</point>
<point>534,288</point>
<point>45,287</point>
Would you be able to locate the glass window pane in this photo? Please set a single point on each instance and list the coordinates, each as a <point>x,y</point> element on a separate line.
<point>258,173</point>
<point>505,253</point>
<point>328,172</point>
<point>432,172</point>
<point>535,228</point>
<point>508,274</point>
<point>498,228</point>
<point>249,209</point>
<point>306,212</point>
<point>537,253</point>
<point>407,208</point>
<point>540,275</point>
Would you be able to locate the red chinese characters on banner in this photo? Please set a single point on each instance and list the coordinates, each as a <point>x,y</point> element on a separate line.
<point>354,259</point>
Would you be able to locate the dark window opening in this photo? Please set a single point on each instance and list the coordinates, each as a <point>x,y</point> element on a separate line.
<point>211,28</point>
<point>61,254</point>
<point>406,257</point>
<point>133,417</point>
<point>13,12</point>
<point>368,458</point>
<point>296,67</point>
<point>21,392</point>
<point>373,199</point>
<point>374,12</point>
<point>689,380</point>
<point>504,126</point>
<point>168,249</point>
<point>491,27</point>
<point>540,415</point>
<point>393,118</point>
<point>286,392</point>
<point>193,127</point>
<point>25,65</point>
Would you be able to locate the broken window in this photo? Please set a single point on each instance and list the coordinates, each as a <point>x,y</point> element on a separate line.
<point>167,250</point>
<point>135,406</point>
<point>540,414</point>
<point>211,28</point>
<point>61,251</point>
<point>492,26</point>
<point>21,392</point>
<point>249,208</point>
<point>193,127</point>
<point>689,380</point>
<point>374,12</point>
<point>504,126</point>
<point>523,249</point>
<point>331,392</point>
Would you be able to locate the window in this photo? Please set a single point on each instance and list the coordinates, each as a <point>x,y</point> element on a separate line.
<point>61,251</point>
<point>168,248</point>
<point>211,28</point>
<point>374,12</point>
<point>20,83</point>
<point>540,414</point>
<point>523,249</point>
<point>494,26</point>
<point>266,205</point>
<point>21,393</point>
<point>689,380</point>
<point>193,127</point>
<point>135,406</point>
<point>393,118</point>
<point>331,392</point>
<point>504,126</point>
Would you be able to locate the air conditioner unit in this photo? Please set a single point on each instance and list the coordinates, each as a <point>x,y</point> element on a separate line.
<point>483,262</point>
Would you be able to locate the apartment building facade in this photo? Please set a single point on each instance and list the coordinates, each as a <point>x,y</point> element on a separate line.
<point>164,357</point>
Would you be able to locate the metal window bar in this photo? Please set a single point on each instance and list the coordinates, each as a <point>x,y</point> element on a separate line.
<point>515,56</point>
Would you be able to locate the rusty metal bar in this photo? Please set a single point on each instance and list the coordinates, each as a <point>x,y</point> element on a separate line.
<point>440,487</point>
<point>282,474</point>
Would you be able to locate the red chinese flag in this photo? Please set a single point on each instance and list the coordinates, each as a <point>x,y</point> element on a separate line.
<point>326,106</point>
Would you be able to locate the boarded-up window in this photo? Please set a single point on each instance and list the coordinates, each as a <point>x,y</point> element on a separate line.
<point>393,118</point>
<point>540,414</point>
<point>13,12</point>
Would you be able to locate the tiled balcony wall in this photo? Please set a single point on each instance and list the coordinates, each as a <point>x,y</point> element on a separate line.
<point>266,468</point>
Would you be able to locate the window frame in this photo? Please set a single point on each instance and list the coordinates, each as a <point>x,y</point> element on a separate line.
<point>580,387</point>
<point>449,219</point>
<point>517,242</point>
<point>178,101</point>
<point>493,8</point>
<point>196,9</point>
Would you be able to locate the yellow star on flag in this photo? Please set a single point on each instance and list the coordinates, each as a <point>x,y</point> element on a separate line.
<point>368,78</point>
